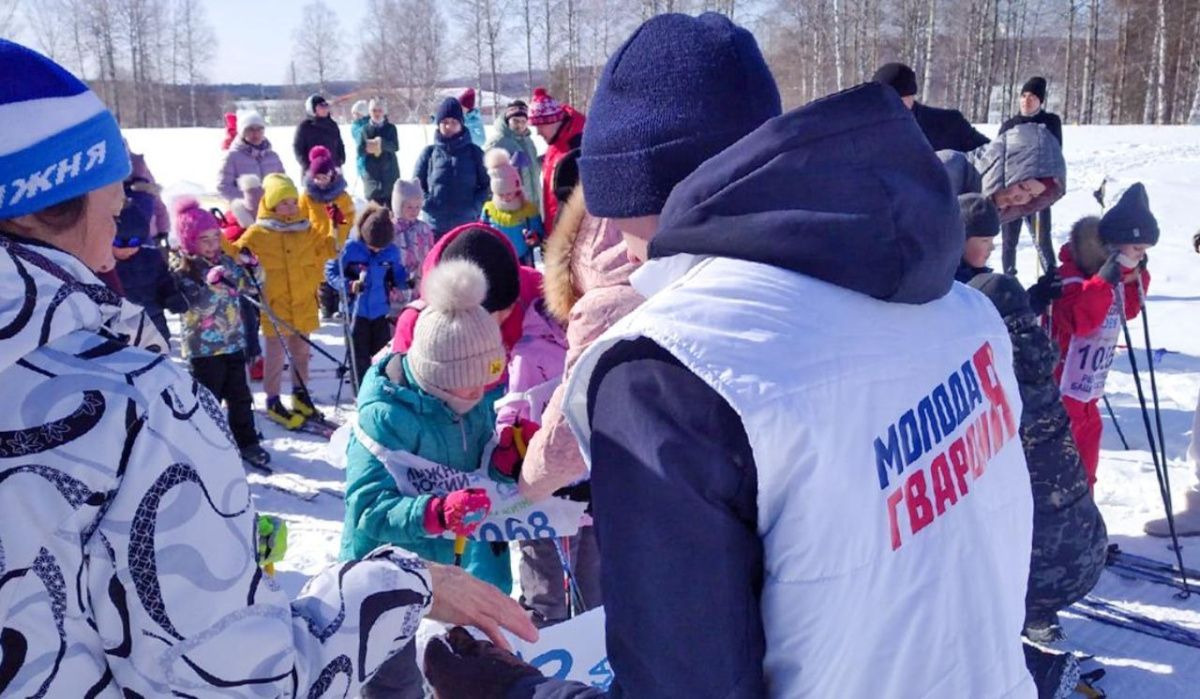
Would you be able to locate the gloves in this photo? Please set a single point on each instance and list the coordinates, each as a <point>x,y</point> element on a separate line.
<point>509,455</point>
<point>461,667</point>
<point>272,541</point>
<point>247,259</point>
<point>1111,270</point>
<point>215,276</point>
<point>1047,289</point>
<point>459,512</point>
<point>335,214</point>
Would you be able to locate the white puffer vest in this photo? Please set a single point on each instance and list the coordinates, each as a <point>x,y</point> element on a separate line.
<point>894,502</point>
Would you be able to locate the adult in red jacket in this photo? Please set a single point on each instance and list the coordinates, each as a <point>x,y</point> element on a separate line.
<point>561,127</point>
<point>1104,278</point>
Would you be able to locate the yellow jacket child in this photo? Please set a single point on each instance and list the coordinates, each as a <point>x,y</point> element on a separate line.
<point>325,201</point>
<point>292,253</point>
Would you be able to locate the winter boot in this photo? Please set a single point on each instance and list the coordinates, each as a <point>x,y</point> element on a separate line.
<point>1055,674</point>
<point>1187,520</point>
<point>256,456</point>
<point>256,369</point>
<point>277,413</point>
<point>302,404</point>
<point>1044,630</point>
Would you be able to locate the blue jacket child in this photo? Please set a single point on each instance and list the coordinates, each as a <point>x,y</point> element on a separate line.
<point>371,271</point>
<point>144,276</point>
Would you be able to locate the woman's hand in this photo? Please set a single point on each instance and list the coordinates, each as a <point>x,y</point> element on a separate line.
<point>462,599</point>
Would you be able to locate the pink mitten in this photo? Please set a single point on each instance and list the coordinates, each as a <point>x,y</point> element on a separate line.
<point>215,275</point>
<point>459,512</point>
<point>509,454</point>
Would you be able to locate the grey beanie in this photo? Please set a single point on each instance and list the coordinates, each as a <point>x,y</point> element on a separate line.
<point>456,342</point>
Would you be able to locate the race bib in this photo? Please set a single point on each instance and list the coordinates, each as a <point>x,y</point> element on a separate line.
<point>1089,357</point>
<point>512,518</point>
<point>572,650</point>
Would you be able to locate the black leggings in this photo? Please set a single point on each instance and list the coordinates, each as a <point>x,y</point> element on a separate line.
<point>1044,246</point>
<point>370,335</point>
<point>225,376</point>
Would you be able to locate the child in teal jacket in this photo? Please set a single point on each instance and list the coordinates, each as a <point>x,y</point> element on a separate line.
<point>429,403</point>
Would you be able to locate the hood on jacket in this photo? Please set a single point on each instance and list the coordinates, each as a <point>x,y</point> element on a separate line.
<point>845,190</point>
<point>530,279</point>
<point>1086,251</point>
<point>379,387</point>
<point>1024,152</point>
<point>46,294</point>
<point>584,253</point>
<point>1005,293</point>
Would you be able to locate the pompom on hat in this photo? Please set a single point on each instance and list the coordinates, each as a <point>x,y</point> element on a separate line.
<point>545,109</point>
<point>320,161</point>
<point>456,342</point>
<point>58,140</point>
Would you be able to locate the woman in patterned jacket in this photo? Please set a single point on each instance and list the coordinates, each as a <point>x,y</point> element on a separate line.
<point>128,561</point>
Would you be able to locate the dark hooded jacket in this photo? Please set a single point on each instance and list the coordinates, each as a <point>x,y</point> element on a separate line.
<point>947,129</point>
<point>845,190</point>
<point>1025,152</point>
<point>1069,536</point>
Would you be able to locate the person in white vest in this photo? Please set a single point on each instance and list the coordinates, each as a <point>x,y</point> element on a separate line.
<point>805,442</point>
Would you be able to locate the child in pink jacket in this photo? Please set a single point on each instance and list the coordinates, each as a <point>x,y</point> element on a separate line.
<point>586,287</point>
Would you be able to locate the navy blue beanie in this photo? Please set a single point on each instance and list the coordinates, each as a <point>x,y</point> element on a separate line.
<point>679,91</point>
<point>1130,221</point>
<point>450,108</point>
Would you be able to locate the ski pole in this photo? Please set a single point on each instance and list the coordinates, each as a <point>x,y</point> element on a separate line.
<point>1162,442</point>
<point>1116,424</point>
<point>1158,467</point>
<point>275,322</point>
<point>460,547</point>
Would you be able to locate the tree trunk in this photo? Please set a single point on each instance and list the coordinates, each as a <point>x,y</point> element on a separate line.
<point>1067,110</point>
<point>1116,107</point>
<point>528,50</point>
<point>1089,64</point>
<point>837,44</point>
<point>929,32</point>
<point>1160,63</point>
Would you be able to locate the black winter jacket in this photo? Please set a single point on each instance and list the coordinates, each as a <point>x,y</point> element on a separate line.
<point>947,129</point>
<point>318,132</point>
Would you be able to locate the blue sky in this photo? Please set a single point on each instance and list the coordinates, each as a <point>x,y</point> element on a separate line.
<point>254,37</point>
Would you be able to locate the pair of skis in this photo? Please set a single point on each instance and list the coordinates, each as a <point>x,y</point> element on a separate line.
<point>1134,567</point>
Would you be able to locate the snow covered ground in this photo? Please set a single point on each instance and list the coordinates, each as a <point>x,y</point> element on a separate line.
<point>1167,159</point>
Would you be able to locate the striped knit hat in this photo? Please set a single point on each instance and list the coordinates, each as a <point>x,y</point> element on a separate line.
<point>58,141</point>
<point>545,109</point>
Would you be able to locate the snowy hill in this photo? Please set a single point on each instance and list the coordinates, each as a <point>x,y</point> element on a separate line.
<point>1167,159</point>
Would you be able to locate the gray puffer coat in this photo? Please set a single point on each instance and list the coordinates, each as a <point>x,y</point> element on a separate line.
<point>1025,152</point>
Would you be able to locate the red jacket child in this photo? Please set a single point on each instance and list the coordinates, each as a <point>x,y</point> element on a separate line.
<point>1104,278</point>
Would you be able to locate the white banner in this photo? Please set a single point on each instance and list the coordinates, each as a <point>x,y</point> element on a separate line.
<point>513,518</point>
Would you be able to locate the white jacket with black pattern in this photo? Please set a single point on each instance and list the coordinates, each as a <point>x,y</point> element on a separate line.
<point>127,550</point>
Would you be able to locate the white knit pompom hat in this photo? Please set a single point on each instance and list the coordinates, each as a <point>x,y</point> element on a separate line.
<point>456,342</point>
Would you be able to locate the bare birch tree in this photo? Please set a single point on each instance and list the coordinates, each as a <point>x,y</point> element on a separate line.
<point>319,44</point>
